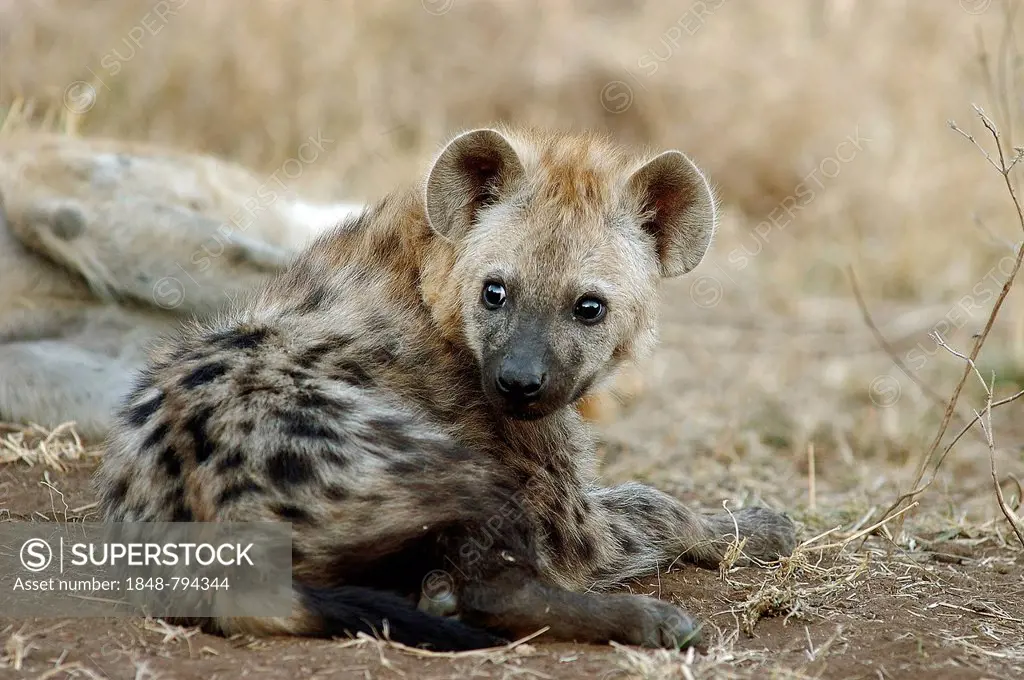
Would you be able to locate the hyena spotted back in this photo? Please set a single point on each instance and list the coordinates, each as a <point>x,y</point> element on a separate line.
<point>403,394</point>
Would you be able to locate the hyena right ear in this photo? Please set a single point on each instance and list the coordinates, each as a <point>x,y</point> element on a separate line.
<point>469,173</point>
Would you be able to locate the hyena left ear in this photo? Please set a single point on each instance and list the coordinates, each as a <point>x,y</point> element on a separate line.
<point>469,173</point>
<point>679,209</point>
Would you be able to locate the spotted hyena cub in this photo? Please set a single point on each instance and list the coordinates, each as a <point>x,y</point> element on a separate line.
<point>402,396</point>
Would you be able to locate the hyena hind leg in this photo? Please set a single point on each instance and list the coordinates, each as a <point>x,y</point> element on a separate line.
<point>501,588</point>
<point>365,579</point>
<point>499,593</point>
<point>518,603</point>
<point>498,587</point>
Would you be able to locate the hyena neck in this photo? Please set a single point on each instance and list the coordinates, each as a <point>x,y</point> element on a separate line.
<point>438,289</point>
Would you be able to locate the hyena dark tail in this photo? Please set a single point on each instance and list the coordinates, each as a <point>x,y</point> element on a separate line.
<point>347,610</point>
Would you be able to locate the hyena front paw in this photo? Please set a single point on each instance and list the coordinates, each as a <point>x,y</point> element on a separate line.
<point>770,534</point>
<point>653,623</point>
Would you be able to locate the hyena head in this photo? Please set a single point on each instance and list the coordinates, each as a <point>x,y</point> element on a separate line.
<point>556,247</point>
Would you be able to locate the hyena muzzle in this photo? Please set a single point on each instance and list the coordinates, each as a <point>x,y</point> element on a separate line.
<point>402,395</point>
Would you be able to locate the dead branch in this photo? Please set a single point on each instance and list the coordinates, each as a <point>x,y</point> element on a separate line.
<point>986,426</point>
<point>883,342</point>
<point>1004,167</point>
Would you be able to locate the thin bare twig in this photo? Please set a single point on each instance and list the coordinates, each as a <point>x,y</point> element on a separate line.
<point>1004,167</point>
<point>968,426</point>
<point>986,427</point>
<point>883,342</point>
<point>985,420</point>
<point>363,638</point>
<point>812,484</point>
<point>862,533</point>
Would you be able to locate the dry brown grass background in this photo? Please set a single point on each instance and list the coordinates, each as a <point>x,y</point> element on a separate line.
<point>839,108</point>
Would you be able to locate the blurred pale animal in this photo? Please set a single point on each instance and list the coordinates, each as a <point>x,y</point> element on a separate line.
<point>105,245</point>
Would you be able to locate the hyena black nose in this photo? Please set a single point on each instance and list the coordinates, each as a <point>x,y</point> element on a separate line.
<point>520,383</point>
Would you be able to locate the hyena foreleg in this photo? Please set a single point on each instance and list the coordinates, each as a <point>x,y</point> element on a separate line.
<point>500,587</point>
<point>646,530</point>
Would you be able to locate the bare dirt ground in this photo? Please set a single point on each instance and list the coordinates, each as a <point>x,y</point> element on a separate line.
<point>945,599</point>
<point>823,124</point>
<point>925,618</point>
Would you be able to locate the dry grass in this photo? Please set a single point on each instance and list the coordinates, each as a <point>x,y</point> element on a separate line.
<point>35,445</point>
<point>824,125</point>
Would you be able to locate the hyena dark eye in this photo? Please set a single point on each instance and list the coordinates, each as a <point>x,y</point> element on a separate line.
<point>494,295</point>
<point>589,309</point>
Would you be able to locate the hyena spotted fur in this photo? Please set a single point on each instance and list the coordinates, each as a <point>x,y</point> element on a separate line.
<point>402,396</point>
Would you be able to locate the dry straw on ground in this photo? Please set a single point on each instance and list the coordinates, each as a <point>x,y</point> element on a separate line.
<point>35,445</point>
